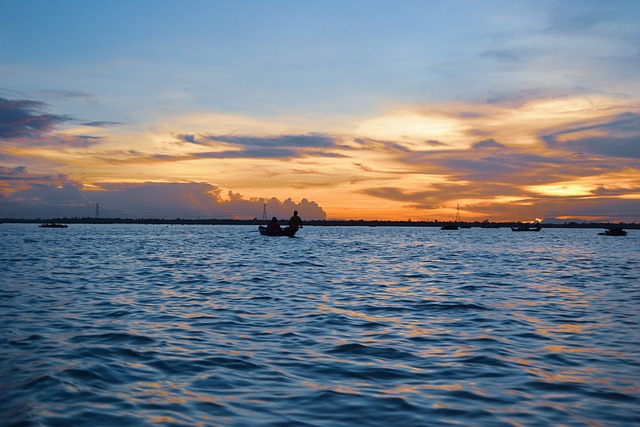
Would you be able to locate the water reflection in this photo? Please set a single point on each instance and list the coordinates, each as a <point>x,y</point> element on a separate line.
<point>339,327</point>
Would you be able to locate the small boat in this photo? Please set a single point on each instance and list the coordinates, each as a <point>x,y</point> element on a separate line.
<point>616,231</point>
<point>487,224</point>
<point>288,231</point>
<point>53,225</point>
<point>453,226</point>
<point>527,227</point>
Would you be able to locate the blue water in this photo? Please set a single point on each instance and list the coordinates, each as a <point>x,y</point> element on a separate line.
<point>156,325</point>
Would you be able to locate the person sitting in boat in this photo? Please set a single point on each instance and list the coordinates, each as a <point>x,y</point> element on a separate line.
<point>295,222</point>
<point>273,225</point>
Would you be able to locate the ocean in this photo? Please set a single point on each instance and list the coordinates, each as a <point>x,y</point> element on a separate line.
<point>207,325</point>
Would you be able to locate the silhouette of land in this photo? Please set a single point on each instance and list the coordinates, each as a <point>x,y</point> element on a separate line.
<point>329,222</point>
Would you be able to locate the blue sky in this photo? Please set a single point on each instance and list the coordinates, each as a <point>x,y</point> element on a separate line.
<point>400,88</point>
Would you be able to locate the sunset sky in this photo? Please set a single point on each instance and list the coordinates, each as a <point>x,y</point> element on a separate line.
<point>348,109</point>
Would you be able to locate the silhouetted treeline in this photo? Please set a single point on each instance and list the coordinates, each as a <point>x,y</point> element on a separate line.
<point>332,223</point>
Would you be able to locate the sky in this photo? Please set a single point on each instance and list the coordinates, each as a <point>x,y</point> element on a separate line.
<point>358,109</point>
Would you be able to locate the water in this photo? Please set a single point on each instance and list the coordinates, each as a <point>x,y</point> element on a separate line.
<point>156,325</point>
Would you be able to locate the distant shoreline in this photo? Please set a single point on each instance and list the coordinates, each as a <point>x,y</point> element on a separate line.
<point>325,223</point>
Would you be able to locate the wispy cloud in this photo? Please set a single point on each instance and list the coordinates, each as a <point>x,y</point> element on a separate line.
<point>618,136</point>
<point>102,123</point>
<point>26,119</point>
<point>259,147</point>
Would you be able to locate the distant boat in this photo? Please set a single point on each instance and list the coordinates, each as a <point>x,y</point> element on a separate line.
<point>290,232</point>
<point>453,226</point>
<point>487,224</point>
<point>527,227</point>
<point>616,231</point>
<point>449,227</point>
<point>53,225</point>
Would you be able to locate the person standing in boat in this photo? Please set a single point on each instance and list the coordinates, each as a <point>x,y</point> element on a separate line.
<point>295,222</point>
<point>273,225</point>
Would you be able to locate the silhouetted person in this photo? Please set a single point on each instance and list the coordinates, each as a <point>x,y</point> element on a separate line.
<point>295,222</point>
<point>273,225</point>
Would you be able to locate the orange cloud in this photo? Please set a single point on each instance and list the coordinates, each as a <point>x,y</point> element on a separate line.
<point>502,160</point>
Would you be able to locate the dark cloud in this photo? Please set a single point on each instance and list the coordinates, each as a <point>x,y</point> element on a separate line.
<point>313,140</point>
<point>441,194</point>
<point>188,138</point>
<point>22,173</point>
<point>241,147</point>
<point>492,172</point>
<point>385,146</point>
<point>78,141</point>
<point>12,173</point>
<point>64,94</point>
<point>26,119</point>
<point>490,161</point>
<point>618,137</point>
<point>191,200</point>
<point>23,194</point>
<point>65,194</point>
<point>521,97</point>
<point>102,123</point>
<point>488,143</point>
<point>263,153</point>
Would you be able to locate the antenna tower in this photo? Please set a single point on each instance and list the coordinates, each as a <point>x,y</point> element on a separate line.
<point>458,213</point>
<point>264,212</point>
<point>97,210</point>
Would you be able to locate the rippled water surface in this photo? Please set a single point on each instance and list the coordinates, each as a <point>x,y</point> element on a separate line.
<point>156,325</point>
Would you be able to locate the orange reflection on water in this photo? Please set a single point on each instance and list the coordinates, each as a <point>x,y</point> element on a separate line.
<point>325,308</point>
<point>162,420</point>
<point>561,349</point>
<point>418,388</point>
<point>565,376</point>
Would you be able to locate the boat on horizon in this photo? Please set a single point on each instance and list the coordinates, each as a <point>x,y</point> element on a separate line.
<point>527,227</point>
<point>449,227</point>
<point>453,226</point>
<point>53,225</point>
<point>615,231</point>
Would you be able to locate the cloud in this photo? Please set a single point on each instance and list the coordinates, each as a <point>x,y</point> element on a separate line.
<point>23,194</point>
<point>64,94</point>
<point>618,136</point>
<point>66,194</point>
<point>188,138</point>
<point>313,140</point>
<point>488,143</point>
<point>102,123</point>
<point>26,119</point>
<point>493,177</point>
<point>280,147</point>
<point>12,173</point>
<point>191,200</point>
<point>565,17</point>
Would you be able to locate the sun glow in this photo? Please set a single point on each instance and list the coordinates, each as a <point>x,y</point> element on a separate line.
<point>562,190</point>
<point>412,128</point>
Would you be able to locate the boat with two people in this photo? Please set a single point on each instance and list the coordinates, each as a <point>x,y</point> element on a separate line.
<point>274,229</point>
<point>287,231</point>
